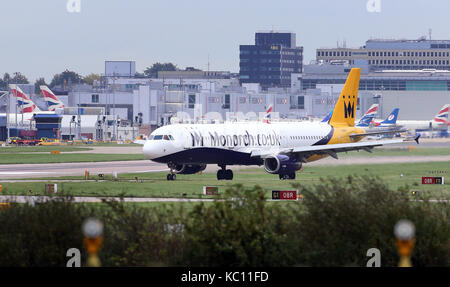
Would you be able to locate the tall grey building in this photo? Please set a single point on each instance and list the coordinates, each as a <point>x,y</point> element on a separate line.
<point>271,61</point>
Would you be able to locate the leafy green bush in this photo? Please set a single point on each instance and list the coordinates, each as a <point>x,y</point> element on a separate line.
<point>346,217</point>
<point>239,231</point>
<point>335,224</point>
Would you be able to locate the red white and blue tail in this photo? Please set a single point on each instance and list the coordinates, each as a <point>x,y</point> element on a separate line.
<point>442,116</point>
<point>372,111</point>
<point>52,101</point>
<point>267,115</point>
<point>368,117</point>
<point>24,103</point>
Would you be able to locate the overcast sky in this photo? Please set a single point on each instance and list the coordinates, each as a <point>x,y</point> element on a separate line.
<point>41,38</point>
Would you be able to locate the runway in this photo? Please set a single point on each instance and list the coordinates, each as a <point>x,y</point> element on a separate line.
<point>88,199</point>
<point>29,171</point>
<point>79,168</point>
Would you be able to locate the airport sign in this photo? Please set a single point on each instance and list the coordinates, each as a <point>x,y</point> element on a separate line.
<point>432,180</point>
<point>284,195</point>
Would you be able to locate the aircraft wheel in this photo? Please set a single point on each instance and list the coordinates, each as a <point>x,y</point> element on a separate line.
<point>292,175</point>
<point>220,174</point>
<point>171,176</point>
<point>174,176</point>
<point>228,174</point>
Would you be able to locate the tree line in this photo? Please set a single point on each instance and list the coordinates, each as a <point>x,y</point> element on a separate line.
<point>67,78</point>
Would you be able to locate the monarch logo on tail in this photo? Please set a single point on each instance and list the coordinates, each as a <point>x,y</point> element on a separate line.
<point>344,111</point>
<point>349,110</point>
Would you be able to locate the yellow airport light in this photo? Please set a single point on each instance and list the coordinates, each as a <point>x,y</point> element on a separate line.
<point>93,240</point>
<point>86,174</point>
<point>404,231</point>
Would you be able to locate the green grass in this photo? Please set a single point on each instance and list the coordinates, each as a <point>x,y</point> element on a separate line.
<point>27,149</point>
<point>68,157</point>
<point>405,151</point>
<point>155,184</point>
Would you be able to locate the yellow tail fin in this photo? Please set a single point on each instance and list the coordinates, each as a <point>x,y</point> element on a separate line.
<point>344,111</point>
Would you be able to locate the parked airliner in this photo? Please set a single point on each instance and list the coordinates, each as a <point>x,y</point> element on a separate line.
<point>281,147</point>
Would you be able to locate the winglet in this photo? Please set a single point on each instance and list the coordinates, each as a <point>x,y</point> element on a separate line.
<point>417,138</point>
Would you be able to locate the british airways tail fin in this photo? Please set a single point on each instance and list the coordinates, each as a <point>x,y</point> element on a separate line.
<point>24,103</point>
<point>442,116</point>
<point>267,115</point>
<point>392,118</point>
<point>52,101</point>
<point>368,116</point>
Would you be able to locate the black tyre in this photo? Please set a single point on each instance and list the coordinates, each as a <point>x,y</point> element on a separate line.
<point>220,174</point>
<point>228,174</point>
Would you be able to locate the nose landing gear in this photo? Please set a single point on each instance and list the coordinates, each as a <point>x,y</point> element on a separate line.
<point>171,175</point>
<point>224,173</point>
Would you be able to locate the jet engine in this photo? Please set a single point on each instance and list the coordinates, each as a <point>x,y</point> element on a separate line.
<point>281,164</point>
<point>189,168</point>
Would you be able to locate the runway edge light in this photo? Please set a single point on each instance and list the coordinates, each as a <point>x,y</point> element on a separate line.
<point>93,240</point>
<point>404,231</point>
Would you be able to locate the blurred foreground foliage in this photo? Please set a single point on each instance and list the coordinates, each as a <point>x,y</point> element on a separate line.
<point>334,225</point>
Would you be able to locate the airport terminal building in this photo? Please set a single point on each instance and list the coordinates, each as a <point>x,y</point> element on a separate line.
<point>383,54</point>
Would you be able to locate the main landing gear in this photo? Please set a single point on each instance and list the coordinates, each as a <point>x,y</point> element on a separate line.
<point>224,173</point>
<point>287,176</point>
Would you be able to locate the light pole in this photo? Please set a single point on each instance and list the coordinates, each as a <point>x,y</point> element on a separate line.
<point>114,107</point>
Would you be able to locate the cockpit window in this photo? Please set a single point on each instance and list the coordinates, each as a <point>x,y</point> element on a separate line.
<point>162,137</point>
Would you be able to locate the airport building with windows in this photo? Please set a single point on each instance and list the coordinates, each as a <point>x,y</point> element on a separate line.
<point>418,93</point>
<point>271,61</point>
<point>379,54</point>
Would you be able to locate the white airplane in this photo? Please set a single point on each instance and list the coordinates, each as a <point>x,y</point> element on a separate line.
<point>281,147</point>
<point>439,122</point>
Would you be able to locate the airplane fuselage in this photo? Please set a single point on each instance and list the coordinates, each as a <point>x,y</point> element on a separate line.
<point>233,143</point>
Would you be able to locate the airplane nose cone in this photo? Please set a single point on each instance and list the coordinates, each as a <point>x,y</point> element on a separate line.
<point>151,150</point>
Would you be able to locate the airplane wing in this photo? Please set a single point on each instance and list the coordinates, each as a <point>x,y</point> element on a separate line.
<point>381,132</point>
<point>305,151</point>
